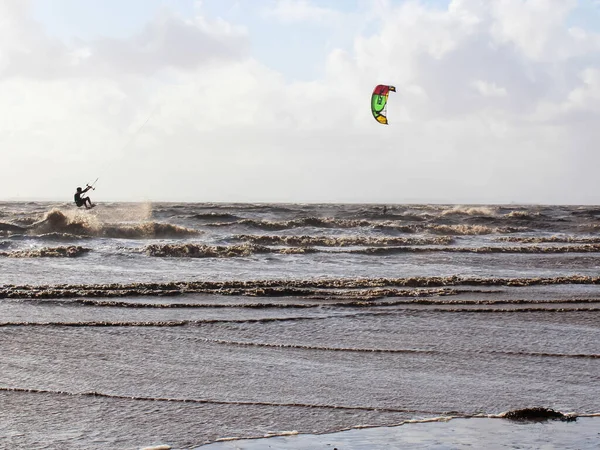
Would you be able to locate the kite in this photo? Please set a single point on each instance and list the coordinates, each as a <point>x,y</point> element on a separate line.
<point>379,102</point>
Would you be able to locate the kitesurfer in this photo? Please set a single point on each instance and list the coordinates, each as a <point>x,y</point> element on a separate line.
<point>83,201</point>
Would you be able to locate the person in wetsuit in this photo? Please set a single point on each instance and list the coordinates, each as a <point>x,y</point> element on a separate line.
<point>83,201</point>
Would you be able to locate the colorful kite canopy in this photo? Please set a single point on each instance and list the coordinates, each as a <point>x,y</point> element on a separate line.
<point>379,102</point>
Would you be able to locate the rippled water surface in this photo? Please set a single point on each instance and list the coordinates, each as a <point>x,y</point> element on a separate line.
<point>130,325</point>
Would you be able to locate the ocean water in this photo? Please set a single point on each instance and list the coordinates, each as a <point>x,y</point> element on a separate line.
<point>132,325</point>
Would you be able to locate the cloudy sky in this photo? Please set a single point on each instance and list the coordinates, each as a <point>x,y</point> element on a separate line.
<point>497,101</point>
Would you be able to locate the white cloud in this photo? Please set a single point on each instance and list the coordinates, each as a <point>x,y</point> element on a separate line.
<point>172,42</point>
<point>489,89</point>
<point>301,11</point>
<point>483,110</point>
<point>588,94</point>
<point>536,27</point>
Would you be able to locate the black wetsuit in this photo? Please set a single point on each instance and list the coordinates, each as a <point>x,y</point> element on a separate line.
<point>82,201</point>
<point>78,200</point>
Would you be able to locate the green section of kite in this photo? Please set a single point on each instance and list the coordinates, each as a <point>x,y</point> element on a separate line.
<point>379,101</point>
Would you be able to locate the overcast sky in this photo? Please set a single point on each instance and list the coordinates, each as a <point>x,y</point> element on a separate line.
<point>497,101</point>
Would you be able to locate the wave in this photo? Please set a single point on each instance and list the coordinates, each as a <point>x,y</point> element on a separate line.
<point>550,355</point>
<point>489,213</point>
<point>543,309</point>
<point>212,216</point>
<point>148,230</point>
<point>328,283</point>
<point>155,324</point>
<point>25,221</point>
<point>526,414</point>
<point>182,323</point>
<point>211,401</point>
<point>406,416</point>
<point>324,283</point>
<point>82,224</point>
<point>280,288</point>
<point>589,228</point>
<point>7,229</point>
<point>450,230</point>
<point>522,214</point>
<point>362,297</point>
<point>205,322</point>
<point>469,211</point>
<point>49,237</point>
<point>587,248</point>
<point>473,230</point>
<point>192,250</point>
<point>390,350</point>
<point>316,222</point>
<point>48,252</point>
<point>217,251</point>
<point>399,227</point>
<point>587,213</point>
<point>406,217</point>
<point>350,299</point>
<point>316,347</point>
<point>549,239</point>
<point>340,241</point>
<point>261,305</point>
<point>328,222</point>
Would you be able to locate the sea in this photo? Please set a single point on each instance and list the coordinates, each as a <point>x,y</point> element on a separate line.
<point>298,326</point>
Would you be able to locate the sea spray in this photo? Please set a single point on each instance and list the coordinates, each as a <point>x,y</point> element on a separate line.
<point>81,223</point>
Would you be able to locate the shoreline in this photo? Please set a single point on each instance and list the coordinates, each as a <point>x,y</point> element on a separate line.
<point>456,432</point>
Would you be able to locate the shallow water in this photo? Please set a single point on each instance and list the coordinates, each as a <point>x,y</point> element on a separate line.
<point>456,434</point>
<point>184,323</point>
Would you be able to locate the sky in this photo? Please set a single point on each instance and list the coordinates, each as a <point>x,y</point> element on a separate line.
<point>497,101</point>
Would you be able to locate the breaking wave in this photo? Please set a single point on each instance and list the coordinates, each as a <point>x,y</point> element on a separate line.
<point>358,298</point>
<point>328,222</point>
<point>469,211</point>
<point>85,223</point>
<point>192,250</point>
<point>549,239</point>
<point>527,215</point>
<point>466,230</point>
<point>48,252</point>
<point>340,241</point>
<point>81,224</point>
<point>316,222</point>
<point>279,288</point>
<point>584,248</point>
<point>217,251</point>
<point>451,230</point>
<point>58,237</point>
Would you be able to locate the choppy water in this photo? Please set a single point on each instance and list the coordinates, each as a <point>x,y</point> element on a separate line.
<point>134,324</point>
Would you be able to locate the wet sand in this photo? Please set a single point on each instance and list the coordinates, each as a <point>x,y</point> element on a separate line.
<point>458,433</point>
